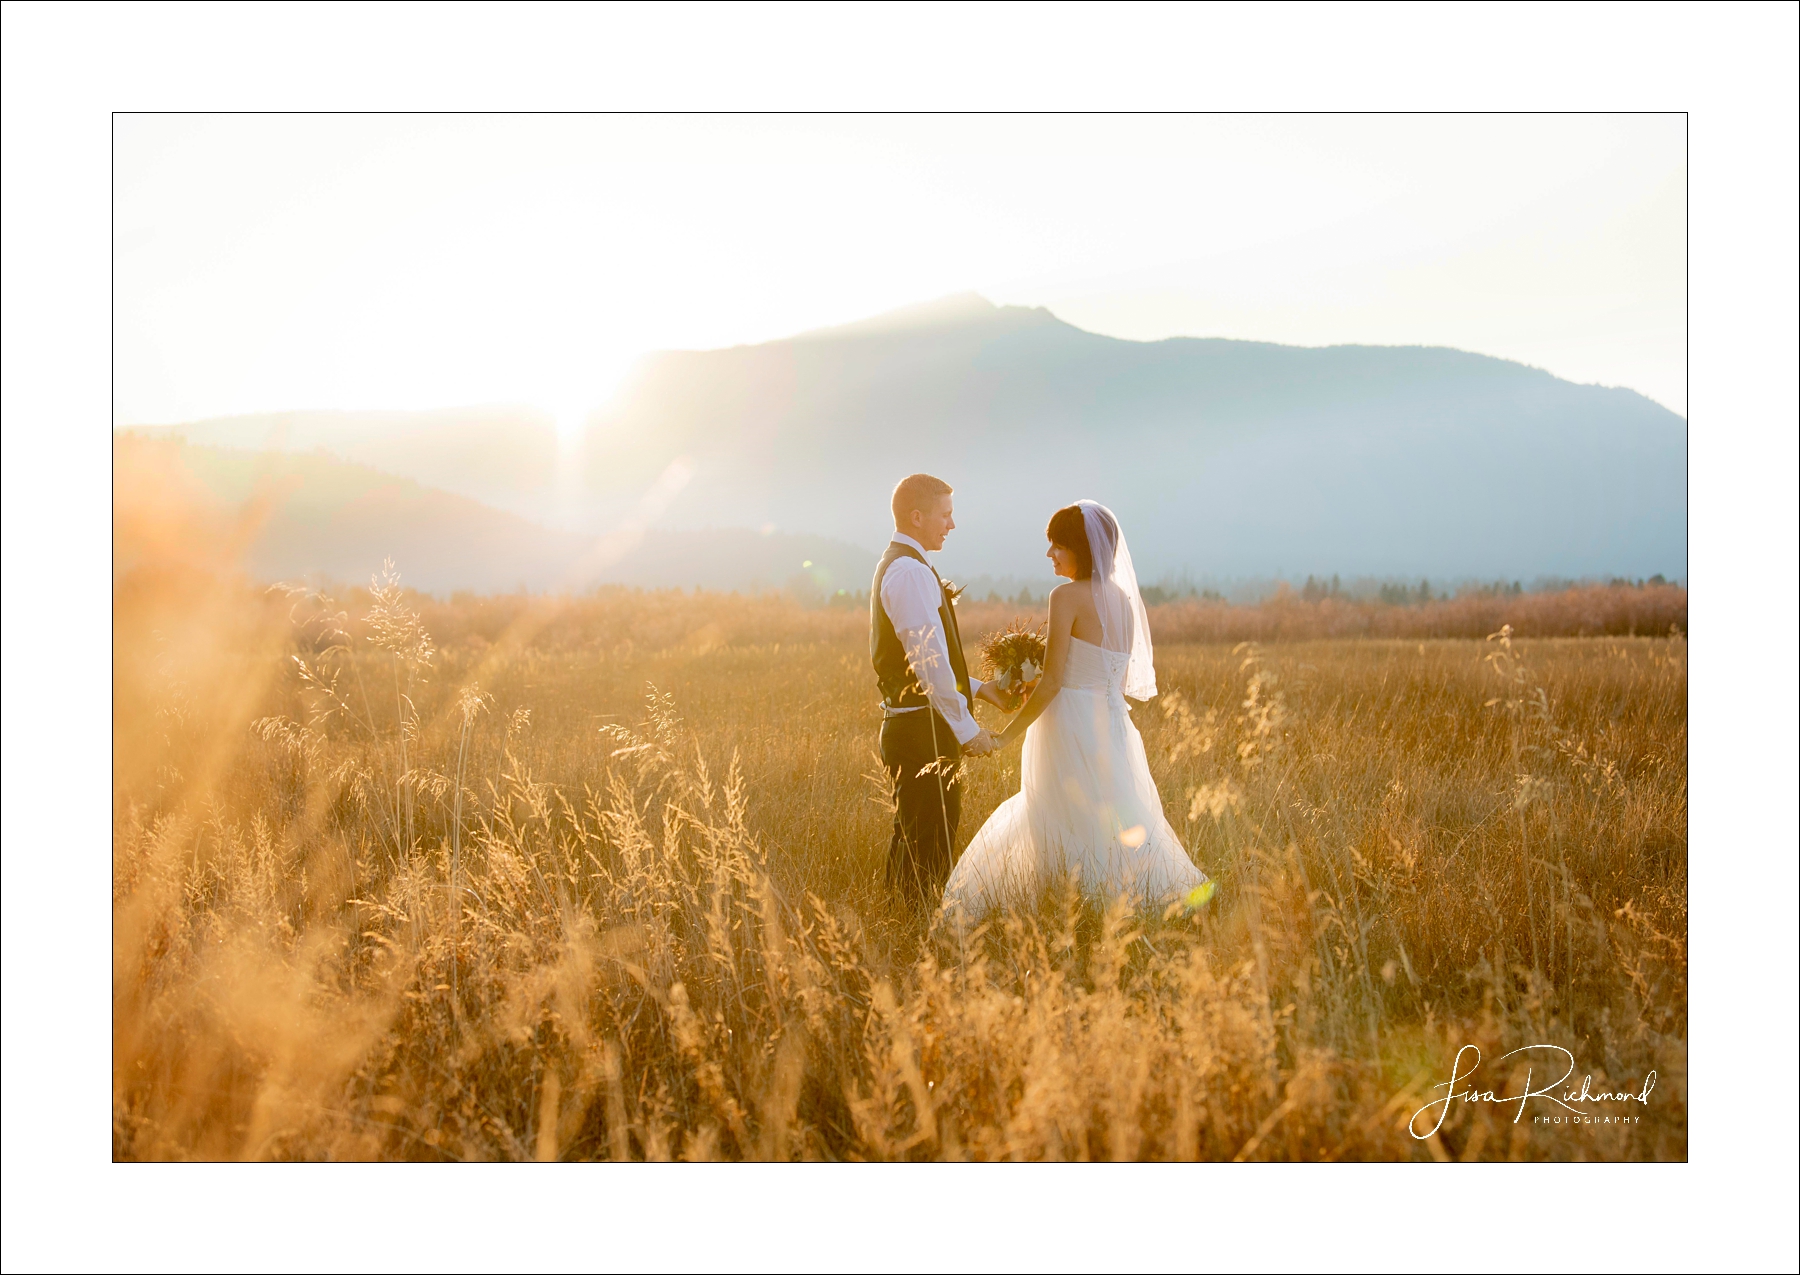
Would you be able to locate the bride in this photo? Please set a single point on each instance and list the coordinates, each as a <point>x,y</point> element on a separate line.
<point>1086,803</point>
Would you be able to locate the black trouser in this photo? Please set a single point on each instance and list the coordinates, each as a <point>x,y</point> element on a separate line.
<point>926,806</point>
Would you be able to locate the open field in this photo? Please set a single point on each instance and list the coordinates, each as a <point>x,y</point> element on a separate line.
<point>499,880</point>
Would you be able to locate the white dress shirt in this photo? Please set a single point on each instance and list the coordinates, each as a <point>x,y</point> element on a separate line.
<point>910,595</point>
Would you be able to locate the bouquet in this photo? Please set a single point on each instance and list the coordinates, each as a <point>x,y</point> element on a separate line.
<point>1013,658</point>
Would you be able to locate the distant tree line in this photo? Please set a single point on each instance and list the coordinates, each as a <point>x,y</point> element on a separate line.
<point>1365,591</point>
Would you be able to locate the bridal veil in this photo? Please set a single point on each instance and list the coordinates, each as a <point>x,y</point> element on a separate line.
<point>1123,624</point>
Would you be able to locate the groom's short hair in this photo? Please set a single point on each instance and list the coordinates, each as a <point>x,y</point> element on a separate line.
<point>916,491</point>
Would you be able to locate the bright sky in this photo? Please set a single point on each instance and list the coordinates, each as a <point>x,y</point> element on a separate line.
<point>310,261</point>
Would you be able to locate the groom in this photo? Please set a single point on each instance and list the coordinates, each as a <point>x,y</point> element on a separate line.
<point>927,695</point>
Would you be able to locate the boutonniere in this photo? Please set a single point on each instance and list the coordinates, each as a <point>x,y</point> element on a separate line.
<point>953,591</point>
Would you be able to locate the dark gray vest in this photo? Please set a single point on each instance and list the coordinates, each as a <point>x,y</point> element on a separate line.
<point>899,688</point>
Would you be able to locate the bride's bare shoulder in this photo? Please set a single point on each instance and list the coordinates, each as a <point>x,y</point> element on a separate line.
<point>1072,598</point>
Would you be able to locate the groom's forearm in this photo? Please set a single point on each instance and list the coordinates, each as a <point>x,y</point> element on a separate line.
<point>929,660</point>
<point>955,710</point>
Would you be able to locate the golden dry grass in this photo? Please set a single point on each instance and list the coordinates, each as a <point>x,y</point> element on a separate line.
<point>514,880</point>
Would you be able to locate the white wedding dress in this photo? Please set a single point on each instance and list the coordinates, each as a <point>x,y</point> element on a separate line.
<point>1086,804</point>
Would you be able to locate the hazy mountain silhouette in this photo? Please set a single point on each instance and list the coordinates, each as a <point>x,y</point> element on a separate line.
<point>312,514</point>
<point>1231,457</point>
<point>1222,457</point>
<point>503,456</point>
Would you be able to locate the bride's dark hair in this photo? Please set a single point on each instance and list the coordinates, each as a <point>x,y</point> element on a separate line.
<point>1068,528</point>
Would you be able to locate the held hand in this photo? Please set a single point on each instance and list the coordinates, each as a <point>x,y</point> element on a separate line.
<point>981,745</point>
